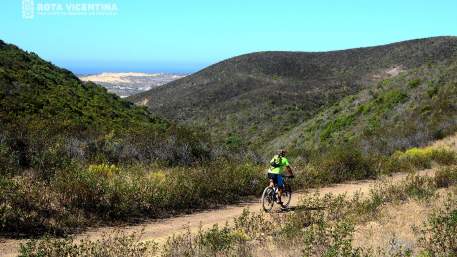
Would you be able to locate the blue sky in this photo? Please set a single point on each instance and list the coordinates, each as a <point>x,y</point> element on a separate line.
<point>186,35</point>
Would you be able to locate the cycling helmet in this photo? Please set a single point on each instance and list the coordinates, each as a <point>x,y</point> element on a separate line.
<point>282,152</point>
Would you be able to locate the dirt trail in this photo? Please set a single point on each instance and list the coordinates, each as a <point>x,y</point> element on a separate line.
<point>160,230</point>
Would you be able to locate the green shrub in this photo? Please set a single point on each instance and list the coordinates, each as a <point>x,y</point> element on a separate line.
<point>335,126</point>
<point>180,245</point>
<point>215,241</point>
<point>414,186</point>
<point>104,169</point>
<point>388,165</point>
<point>114,245</point>
<point>32,207</point>
<point>438,234</point>
<point>344,163</point>
<point>432,90</point>
<point>315,235</point>
<point>252,225</point>
<point>416,157</point>
<point>446,176</point>
<point>418,187</point>
<point>444,156</point>
<point>414,83</point>
<point>8,160</point>
<point>423,157</point>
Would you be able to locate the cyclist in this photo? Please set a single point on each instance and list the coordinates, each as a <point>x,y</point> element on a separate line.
<point>278,164</point>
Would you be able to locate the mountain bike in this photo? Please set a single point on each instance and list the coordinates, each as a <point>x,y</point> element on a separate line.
<point>270,195</point>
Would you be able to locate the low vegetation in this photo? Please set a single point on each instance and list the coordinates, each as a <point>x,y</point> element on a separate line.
<point>438,233</point>
<point>80,195</point>
<point>320,226</point>
<point>324,226</point>
<point>109,246</point>
<point>422,158</point>
<point>446,176</point>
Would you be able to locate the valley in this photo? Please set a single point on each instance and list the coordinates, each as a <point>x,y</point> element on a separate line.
<point>78,160</point>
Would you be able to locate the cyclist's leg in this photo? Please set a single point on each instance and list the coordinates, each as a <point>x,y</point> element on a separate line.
<point>273,179</point>
<point>280,184</point>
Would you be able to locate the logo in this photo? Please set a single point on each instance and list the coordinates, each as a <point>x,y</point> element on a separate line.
<point>28,9</point>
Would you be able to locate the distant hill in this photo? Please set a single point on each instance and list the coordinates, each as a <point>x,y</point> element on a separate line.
<point>125,84</point>
<point>258,97</point>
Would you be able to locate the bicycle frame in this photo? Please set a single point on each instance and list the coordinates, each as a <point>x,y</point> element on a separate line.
<point>270,195</point>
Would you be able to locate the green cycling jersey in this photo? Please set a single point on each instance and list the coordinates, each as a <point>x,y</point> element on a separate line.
<point>281,163</point>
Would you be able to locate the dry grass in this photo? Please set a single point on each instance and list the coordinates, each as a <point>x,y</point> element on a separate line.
<point>388,212</point>
<point>446,143</point>
<point>396,225</point>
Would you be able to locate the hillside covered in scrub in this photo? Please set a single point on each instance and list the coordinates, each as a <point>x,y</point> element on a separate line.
<point>48,116</point>
<point>407,214</point>
<point>410,109</point>
<point>73,155</point>
<point>254,98</point>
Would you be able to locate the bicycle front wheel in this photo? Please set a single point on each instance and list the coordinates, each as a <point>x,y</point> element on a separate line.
<point>268,199</point>
<point>286,196</point>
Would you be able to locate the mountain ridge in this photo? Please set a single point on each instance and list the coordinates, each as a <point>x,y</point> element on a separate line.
<point>255,97</point>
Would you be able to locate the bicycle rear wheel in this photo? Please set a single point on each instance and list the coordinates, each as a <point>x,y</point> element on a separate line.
<point>286,196</point>
<point>268,199</point>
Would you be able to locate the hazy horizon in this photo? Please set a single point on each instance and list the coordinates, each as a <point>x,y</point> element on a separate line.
<point>82,71</point>
<point>91,68</point>
<point>185,36</point>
